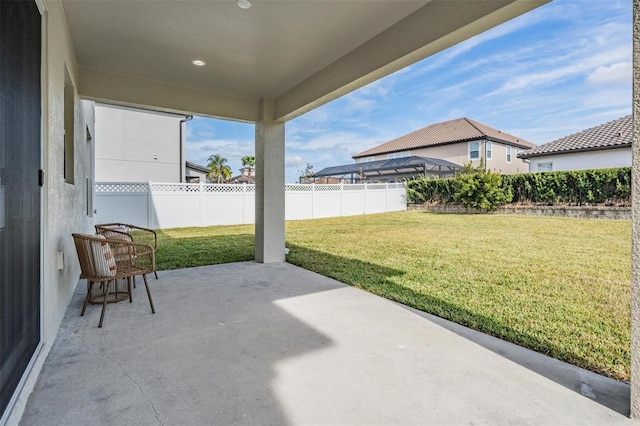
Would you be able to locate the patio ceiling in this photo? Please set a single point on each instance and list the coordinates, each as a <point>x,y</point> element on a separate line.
<point>300,53</point>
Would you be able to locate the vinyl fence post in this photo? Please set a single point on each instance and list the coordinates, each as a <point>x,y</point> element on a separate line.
<point>200,203</point>
<point>150,206</point>
<point>386,198</point>
<point>341,194</point>
<point>244,196</point>
<point>364,199</point>
<point>313,200</point>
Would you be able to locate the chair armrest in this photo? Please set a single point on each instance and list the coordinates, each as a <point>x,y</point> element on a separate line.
<point>137,233</point>
<point>147,236</point>
<point>131,253</point>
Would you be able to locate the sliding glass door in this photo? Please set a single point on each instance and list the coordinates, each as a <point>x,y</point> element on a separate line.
<point>20,126</point>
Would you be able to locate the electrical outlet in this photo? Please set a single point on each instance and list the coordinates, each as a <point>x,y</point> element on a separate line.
<point>60,261</point>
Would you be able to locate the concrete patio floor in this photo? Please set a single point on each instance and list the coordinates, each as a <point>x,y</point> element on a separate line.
<point>250,343</point>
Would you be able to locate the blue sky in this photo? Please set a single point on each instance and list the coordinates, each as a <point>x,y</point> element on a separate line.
<point>559,69</point>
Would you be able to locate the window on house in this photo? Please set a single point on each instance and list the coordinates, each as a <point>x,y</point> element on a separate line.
<point>545,167</point>
<point>488,149</point>
<point>69,136</point>
<point>367,159</point>
<point>508,153</point>
<point>398,155</point>
<point>474,150</point>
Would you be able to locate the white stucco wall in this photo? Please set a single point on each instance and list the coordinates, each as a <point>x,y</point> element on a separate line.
<point>136,145</point>
<point>606,159</point>
<point>64,208</point>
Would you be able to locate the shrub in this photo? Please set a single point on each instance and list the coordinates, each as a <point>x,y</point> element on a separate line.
<point>602,186</point>
<point>481,189</point>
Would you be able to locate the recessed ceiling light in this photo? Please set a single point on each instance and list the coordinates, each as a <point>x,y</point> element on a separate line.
<point>243,4</point>
<point>199,62</point>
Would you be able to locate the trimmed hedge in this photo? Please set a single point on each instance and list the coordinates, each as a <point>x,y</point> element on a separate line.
<point>579,187</point>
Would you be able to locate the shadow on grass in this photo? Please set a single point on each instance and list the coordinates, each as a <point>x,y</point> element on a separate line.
<point>377,279</point>
<point>189,252</point>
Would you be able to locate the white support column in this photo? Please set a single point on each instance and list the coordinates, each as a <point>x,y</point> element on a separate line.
<point>269,185</point>
<point>635,236</point>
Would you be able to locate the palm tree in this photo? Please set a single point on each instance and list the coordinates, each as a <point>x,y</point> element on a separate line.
<point>249,161</point>
<point>219,170</point>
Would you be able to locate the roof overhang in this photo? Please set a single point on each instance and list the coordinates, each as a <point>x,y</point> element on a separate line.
<point>197,167</point>
<point>301,53</point>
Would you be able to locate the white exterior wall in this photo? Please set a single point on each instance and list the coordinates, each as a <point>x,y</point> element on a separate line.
<point>605,159</point>
<point>136,145</point>
<point>195,173</point>
<point>64,205</point>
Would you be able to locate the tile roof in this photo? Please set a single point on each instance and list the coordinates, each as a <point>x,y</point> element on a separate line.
<point>614,134</point>
<point>447,132</point>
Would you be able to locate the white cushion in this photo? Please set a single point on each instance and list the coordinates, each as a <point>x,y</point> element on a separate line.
<point>103,259</point>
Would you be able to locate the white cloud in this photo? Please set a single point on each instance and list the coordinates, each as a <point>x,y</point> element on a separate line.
<point>294,161</point>
<point>565,70</point>
<point>445,57</point>
<point>617,73</point>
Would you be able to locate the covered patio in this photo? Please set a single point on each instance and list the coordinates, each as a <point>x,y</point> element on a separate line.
<point>251,343</point>
<point>257,342</point>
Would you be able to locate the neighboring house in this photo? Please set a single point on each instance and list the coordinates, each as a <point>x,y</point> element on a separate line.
<point>134,145</point>
<point>457,141</point>
<point>601,147</point>
<point>247,175</point>
<point>196,173</point>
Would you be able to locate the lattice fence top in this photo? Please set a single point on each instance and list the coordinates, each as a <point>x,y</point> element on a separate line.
<point>224,188</point>
<point>175,187</point>
<point>327,188</point>
<point>107,187</point>
<point>377,186</point>
<point>397,185</point>
<point>354,187</point>
<point>216,188</point>
<point>298,187</point>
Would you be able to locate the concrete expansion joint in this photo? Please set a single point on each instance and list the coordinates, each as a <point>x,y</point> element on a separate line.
<point>146,397</point>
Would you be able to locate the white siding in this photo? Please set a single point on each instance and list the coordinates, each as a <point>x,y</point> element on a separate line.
<point>605,159</point>
<point>135,145</point>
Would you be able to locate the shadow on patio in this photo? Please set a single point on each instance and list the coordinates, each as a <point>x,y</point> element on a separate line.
<point>249,343</point>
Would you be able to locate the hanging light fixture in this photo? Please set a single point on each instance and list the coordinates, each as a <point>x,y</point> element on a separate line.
<point>243,4</point>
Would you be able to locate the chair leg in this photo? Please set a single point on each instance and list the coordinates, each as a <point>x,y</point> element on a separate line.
<point>86,299</point>
<point>156,274</point>
<point>129,288</point>
<point>153,310</point>
<point>104,302</point>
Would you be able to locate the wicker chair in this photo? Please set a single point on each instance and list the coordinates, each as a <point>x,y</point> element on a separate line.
<point>131,233</point>
<point>108,262</point>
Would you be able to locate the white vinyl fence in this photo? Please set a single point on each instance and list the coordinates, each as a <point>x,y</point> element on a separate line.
<point>178,205</point>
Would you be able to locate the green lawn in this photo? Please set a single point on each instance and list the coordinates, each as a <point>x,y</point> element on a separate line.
<point>558,286</point>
